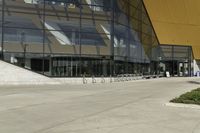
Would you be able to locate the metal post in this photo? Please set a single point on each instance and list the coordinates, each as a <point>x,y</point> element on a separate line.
<point>159,64</point>
<point>43,49</point>
<point>84,79</point>
<point>2,32</point>
<point>80,41</point>
<point>112,66</point>
<point>173,61</point>
<point>129,41</point>
<point>140,35</point>
<point>189,62</point>
<point>23,47</point>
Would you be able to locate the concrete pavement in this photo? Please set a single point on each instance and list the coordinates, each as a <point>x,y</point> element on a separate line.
<point>126,107</point>
<point>14,75</point>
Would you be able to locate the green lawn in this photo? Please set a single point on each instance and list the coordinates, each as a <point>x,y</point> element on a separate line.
<point>192,97</point>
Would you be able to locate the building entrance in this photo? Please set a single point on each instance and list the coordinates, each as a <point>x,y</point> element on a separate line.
<point>183,69</point>
<point>175,68</point>
<point>177,60</point>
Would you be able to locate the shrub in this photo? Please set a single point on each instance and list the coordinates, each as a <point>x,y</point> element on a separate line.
<point>192,97</point>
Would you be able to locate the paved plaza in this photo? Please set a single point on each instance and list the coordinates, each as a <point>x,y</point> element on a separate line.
<point>125,107</point>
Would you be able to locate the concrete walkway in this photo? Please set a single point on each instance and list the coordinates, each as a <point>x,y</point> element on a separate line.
<point>127,107</point>
<point>14,75</point>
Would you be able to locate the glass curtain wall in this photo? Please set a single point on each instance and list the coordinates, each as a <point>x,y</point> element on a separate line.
<point>24,35</point>
<point>134,39</point>
<point>72,38</point>
<point>1,29</point>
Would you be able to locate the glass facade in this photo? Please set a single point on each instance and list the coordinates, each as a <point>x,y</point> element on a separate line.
<point>72,38</point>
<point>176,59</point>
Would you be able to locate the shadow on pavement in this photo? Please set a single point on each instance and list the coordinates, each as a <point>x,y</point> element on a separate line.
<point>194,82</point>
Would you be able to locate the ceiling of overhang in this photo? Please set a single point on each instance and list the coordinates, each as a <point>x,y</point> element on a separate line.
<point>176,22</point>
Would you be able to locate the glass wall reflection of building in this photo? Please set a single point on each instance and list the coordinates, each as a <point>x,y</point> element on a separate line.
<point>72,38</point>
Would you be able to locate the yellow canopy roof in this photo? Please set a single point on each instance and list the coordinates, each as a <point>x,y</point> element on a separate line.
<point>176,22</point>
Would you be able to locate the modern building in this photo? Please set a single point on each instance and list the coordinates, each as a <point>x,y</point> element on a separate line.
<point>72,38</point>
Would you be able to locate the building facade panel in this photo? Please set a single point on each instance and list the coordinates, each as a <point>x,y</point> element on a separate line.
<point>73,38</point>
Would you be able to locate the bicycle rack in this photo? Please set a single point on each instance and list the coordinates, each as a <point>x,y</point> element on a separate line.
<point>84,80</point>
<point>102,79</point>
<point>93,80</point>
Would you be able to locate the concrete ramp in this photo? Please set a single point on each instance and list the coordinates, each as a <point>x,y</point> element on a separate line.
<point>14,75</point>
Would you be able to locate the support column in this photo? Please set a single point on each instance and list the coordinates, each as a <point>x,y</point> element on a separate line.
<point>44,32</point>
<point>80,39</point>
<point>2,32</point>
<point>173,63</point>
<point>112,22</point>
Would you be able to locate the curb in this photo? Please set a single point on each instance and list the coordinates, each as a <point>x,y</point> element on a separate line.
<point>180,105</point>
